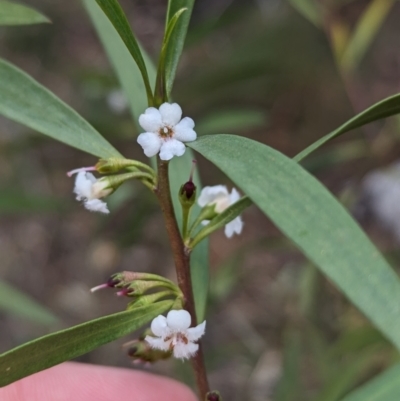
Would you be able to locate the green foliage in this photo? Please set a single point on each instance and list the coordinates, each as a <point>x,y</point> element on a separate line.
<point>345,378</point>
<point>17,14</point>
<point>64,345</point>
<point>117,17</point>
<point>308,9</point>
<point>18,304</point>
<point>385,108</point>
<point>167,52</point>
<point>289,384</point>
<point>365,32</point>
<point>385,387</point>
<point>231,121</point>
<point>314,220</point>
<point>127,71</point>
<point>26,101</point>
<point>177,39</point>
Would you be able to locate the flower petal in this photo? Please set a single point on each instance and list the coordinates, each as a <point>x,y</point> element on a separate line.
<point>185,351</point>
<point>91,177</point>
<point>194,333</point>
<point>83,185</point>
<point>184,130</point>
<point>96,205</point>
<point>234,196</point>
<point>170,148</point>
<point>150,120</point>
<point>171,113</point>
<point>159,326</point>
<point>150,142</point>
<point>234,226</point>
<point>209,194</point>
<point>178,320</point>
<point>158,343</point>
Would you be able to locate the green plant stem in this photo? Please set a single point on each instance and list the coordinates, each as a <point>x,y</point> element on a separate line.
<point>185,221</point>
<point>182,265</point>
<point>143,166</point>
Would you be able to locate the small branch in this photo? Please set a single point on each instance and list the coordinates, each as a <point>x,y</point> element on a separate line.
<point>182,265</point>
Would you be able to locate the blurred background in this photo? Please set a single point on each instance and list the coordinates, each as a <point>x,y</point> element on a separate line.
<point>282,72</point>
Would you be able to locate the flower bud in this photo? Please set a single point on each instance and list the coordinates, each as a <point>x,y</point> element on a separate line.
<point>102,188</point>
<point>113,165</point>
<point>187,194</point>
<point>137,285</point>
<point>140,287</point>
<point>112,282</point>
<point>140,350</point>
<point>213,396</point>
<point>148,299</point>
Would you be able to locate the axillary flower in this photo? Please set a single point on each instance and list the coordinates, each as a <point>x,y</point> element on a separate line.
<point>165,131</point>
<point>89,190</point>
<point>173,333</point>
<point>220,197</point>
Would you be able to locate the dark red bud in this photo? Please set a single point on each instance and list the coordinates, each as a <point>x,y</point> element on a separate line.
<point>125,292</point>
<point>113,282</point>
<point>132,351</point>
<point>213,396</point>
<point>188,189</point>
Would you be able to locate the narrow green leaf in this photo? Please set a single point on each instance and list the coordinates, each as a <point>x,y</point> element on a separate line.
<point>314,220</point>
<point>118,18</point>
<point>231,121</point>
<point>223,218</point>
<point>126,69</point>
<point>289,385</point>
<point>308,9</point>
<point>200,272</point>
<point>385,108</point>
<point>308,289</point>
<point>64,345</point>
<point>177,39</point>
<point>366,30</point>
<point>348,376</point>
<point>26,101</point>
<point>354,340</point>
<point>179,171</point>
<point>385,387</point>
<point>16,303</point>
<point>166,51</point>
<point>17,14</point>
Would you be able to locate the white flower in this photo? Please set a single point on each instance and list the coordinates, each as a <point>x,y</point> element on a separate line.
<point>88,189</point>
<point>219,196</point>
<point>165,131</point>
<point>173,333</point>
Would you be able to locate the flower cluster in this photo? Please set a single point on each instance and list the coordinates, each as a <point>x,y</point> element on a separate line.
<point>219,196</point>
<point>166,131</point>
<point>173,333</point>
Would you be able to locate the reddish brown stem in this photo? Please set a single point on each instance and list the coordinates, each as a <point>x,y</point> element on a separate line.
<point>182,265</point>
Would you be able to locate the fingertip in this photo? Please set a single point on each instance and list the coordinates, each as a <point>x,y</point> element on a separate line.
<point>82,382</point>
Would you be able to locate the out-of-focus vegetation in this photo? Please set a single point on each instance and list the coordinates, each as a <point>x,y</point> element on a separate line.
<point>284,73</point>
